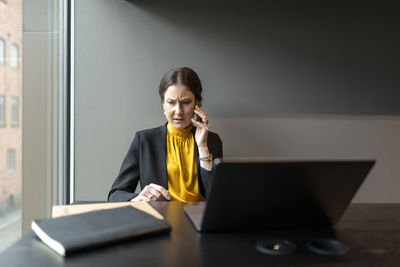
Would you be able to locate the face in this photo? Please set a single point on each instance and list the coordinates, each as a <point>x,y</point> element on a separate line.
<point>178,104</point>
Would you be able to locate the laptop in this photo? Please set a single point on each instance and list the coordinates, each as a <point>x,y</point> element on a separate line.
<point>278,194</point>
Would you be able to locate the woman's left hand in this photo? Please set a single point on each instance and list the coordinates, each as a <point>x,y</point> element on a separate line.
<point>202,127</point>
<point>201,137</point>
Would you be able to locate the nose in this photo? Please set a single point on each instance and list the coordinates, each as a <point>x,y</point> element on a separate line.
<point>178,109</point>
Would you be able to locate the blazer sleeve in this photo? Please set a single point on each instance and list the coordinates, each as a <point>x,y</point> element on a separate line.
<point>215,148</point>
<point>124,186</point>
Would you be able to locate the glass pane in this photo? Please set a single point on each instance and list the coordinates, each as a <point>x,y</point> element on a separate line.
<point>14,111</point>
<point>2,110</point>
<point>11,160</point>
<point>2,54</point>
<point>14,56</point>
<point>10,135</point>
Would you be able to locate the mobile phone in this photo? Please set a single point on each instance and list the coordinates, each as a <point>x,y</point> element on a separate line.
<point>195,117</point>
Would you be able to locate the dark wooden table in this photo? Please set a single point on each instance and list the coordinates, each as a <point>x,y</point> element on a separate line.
<point>371,230</point>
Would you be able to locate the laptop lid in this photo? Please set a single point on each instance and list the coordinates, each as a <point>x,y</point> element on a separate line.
<point>277,194</point>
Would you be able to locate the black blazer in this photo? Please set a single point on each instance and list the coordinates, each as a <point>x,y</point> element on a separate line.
<point>146,162</point>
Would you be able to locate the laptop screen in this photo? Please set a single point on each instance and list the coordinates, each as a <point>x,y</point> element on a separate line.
<point>271,193</point>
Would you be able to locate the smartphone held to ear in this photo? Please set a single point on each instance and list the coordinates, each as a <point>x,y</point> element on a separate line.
<point>195,116</point>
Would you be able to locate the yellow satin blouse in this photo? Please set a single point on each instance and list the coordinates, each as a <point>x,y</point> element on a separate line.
<point>181,165</point>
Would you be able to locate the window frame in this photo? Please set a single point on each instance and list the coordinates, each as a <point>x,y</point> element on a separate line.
<point>45,127</point>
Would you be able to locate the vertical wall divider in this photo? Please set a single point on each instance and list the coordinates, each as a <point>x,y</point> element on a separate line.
<point>66,105</point>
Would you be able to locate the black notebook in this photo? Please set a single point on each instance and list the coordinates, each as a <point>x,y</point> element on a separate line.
<point>86,230</point>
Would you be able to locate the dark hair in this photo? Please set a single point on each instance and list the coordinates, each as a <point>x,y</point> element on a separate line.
<point>184,76</point>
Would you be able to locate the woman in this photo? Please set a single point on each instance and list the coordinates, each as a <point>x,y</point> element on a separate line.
<point>173,161</point>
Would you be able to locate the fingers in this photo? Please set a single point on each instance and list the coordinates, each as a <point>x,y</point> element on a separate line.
<point>200,112</point>
<point>150,193</point>
<point>153,192</point>
<point>203,125</point>
<point>164,192</point>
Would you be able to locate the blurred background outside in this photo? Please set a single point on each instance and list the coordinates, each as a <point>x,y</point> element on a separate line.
<point>10,121</point>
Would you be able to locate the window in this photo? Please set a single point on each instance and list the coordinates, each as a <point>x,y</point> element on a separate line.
<point>14,111</point>
<point>11,48</point>
<point>2,52</point>
<point>11,160</point>
<point>2,111</point>
<point>14,56</point>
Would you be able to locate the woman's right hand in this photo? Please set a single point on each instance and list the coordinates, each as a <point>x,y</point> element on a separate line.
<point>152,192</point>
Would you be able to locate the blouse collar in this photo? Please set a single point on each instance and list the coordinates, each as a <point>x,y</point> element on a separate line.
<point>186,132</point>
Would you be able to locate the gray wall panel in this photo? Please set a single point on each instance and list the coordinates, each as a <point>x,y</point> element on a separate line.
<point>294,63</point>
